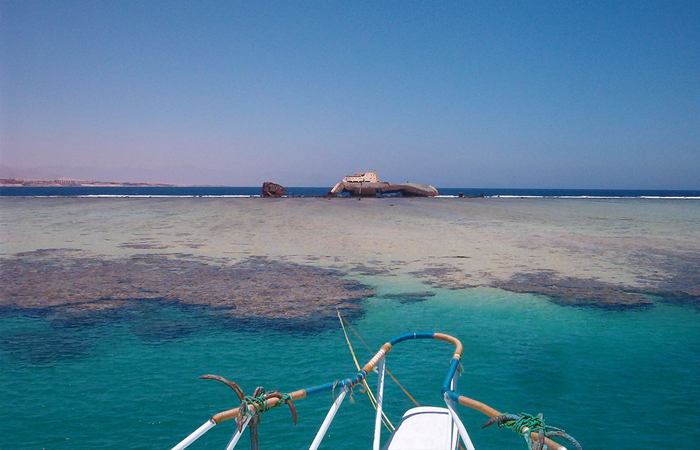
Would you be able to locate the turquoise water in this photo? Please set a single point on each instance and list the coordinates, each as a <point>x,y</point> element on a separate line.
<point>612,379</point>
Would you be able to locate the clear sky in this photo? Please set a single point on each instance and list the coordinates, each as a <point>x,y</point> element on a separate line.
<point>530,94</point>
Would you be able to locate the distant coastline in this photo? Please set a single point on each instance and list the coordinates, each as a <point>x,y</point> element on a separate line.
<point>74,183</point>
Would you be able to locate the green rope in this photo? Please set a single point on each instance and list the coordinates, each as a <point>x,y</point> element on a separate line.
<point>284,399</point>
<point>533,424</point>
<point>260,402</point>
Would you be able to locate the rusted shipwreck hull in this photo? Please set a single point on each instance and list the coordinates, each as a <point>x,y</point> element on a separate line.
<point>367,185</point>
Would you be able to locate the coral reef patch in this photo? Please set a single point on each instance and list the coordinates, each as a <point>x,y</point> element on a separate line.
<point>256,291</point>
<point>572,291</point>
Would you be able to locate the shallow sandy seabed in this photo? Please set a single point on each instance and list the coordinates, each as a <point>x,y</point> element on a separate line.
<point>607,253</point>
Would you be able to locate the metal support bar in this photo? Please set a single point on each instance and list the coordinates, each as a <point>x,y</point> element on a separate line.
<point>380,401</point>
<point>460,426</point>
<point>237,435</point>
<point>195,435</point>
<point>329,418</point>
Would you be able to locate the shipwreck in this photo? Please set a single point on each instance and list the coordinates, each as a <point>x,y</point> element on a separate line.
<point>368,185</point>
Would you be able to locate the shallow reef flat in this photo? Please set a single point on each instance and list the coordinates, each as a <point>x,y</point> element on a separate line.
<point>292,259</point>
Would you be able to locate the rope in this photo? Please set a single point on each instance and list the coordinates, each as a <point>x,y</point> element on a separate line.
<point>370,350</point>
<point>335,383</point>
<point>259,402</point>
<point>385,420</point>
<point>533,424</point>
<point>525,425</point>
<point>284,399</point>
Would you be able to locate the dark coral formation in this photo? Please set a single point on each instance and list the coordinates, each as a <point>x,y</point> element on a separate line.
<point>574,291</point>
<point>254,291</point>
<point>444,276</point>
<point>410,297</point>
<point>670,277</point>
<point>680,282</point>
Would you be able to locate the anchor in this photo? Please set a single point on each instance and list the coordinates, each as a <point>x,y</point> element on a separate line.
<point>259,402</point>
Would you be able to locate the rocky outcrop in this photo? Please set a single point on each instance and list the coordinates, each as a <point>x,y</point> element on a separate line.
<point>270,189</point>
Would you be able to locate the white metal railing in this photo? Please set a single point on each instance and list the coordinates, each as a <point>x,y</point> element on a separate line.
<point>377,362</point>
<point>329,418</point>
<point>380,401</point>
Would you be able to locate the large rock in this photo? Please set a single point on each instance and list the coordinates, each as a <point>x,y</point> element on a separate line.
<point>270,189</point>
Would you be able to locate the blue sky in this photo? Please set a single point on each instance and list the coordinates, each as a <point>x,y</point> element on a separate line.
<point>544,94</point>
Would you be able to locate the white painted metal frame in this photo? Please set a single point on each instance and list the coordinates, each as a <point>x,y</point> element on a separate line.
<point>380,401</point>
<point>237,435</point>
<point>329,418</point>
<point>196,434</point>
<point>455,418</point>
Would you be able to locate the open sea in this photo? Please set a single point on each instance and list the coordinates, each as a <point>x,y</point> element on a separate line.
<point>223,191</point>
<point>612,378</point>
